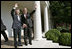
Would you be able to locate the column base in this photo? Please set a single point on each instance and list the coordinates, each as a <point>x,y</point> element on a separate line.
<point>37,39</point>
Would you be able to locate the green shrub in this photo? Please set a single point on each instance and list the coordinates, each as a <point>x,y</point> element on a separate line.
<point>65,39</point>
<point>62,28</point>
<point>53,34</point>
<point>59,28</point>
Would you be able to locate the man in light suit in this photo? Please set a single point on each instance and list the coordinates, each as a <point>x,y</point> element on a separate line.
<point>16,25</point>
<point>27,25</point>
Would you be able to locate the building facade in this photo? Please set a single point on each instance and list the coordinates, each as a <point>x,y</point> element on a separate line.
<point>42,12</point>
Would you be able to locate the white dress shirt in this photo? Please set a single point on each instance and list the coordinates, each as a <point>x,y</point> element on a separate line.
<point>18,17</point>
<point>25,15</point>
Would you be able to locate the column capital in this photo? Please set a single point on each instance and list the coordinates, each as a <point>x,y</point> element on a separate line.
<point>47,4</point>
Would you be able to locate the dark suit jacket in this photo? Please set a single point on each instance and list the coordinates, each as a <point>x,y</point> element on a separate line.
<point>16,23</point>
<point>3,27</point>
<point>27,20</point>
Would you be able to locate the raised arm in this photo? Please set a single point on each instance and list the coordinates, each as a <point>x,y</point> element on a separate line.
<point>33,10</point>
<point>13,10</point>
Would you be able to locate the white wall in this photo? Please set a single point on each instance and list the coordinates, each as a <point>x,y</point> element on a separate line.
<point>6,17</point>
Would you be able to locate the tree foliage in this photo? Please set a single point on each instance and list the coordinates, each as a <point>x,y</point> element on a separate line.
<point>61,11</point>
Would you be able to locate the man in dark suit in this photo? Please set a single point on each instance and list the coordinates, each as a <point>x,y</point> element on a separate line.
<point>16,25</point>
<point>3,28</point>
<point>27,25</point>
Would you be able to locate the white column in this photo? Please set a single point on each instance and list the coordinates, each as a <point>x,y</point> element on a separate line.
<point>46,22</point>
<point>37,22</point>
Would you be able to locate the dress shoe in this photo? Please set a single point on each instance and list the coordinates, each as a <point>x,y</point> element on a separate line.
<point>26,44</point>
<point>30,43</point>
<point>15,46</point>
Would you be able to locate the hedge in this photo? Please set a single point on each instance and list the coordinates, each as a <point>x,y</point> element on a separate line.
<point>53,34</point>
<point>65,39</point>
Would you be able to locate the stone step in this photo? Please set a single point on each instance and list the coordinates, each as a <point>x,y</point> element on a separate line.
<point>35,44</point>
<point>61,46</point>
<point>42,44</point>
<point>44,40</point>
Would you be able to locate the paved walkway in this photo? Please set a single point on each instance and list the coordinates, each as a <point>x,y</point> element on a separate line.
<point>36,44</point>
